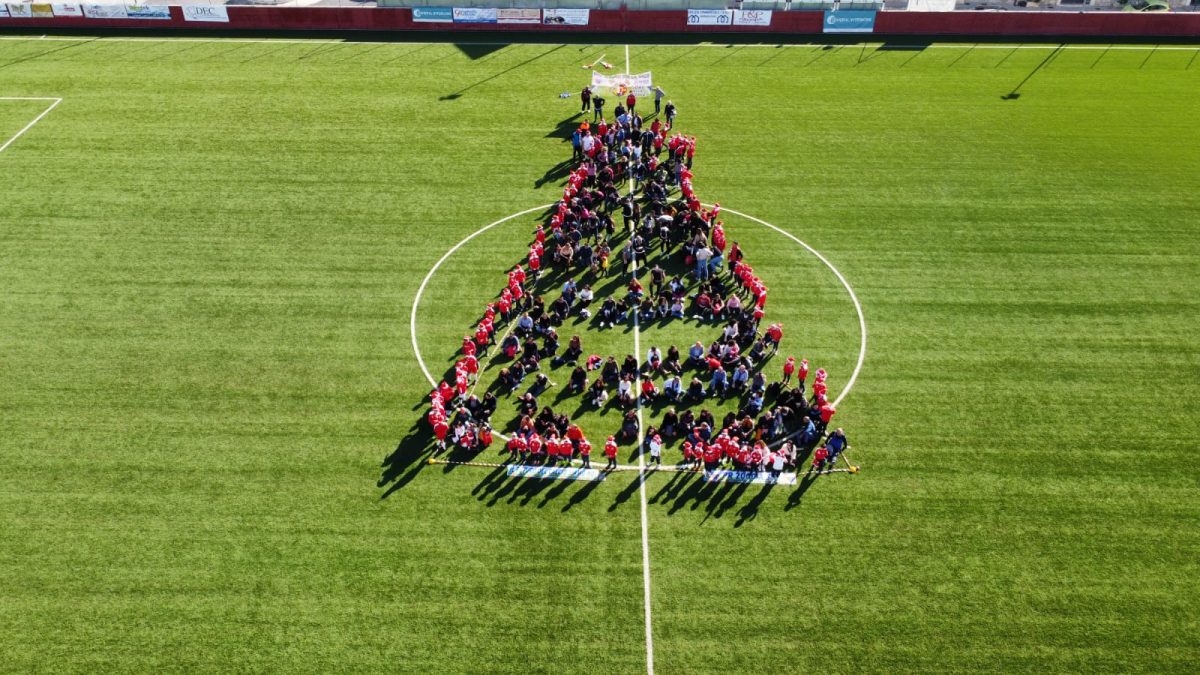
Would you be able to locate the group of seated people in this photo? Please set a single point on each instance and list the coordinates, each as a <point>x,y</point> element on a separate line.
<point>577,238</point>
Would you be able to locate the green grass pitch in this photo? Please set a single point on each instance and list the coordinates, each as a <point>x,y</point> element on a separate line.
<point>210,250</point>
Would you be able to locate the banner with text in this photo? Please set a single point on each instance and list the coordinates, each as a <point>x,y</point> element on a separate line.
<point>621,85</point>
<point>3,11</point>
<point>475,15</point>
<point>152,12</point>
<point>20,12</point>
<point>105,11</point>
<point>432,14</point>
<point>752,17</point>
<point>41,11</point>
<point>68,9</point>
<point>849,21</point>
<point>710,17</point>
<point>519,16</point>
<point>565,17</point>
<point>554,472</point>
<point>727,476</point>
<point>206,13</point>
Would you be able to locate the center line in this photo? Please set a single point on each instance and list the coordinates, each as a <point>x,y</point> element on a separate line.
<point>641,441</point>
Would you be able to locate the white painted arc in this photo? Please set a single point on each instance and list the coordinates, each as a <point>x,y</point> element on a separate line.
<point>862,321</point>
<point>862,351</point>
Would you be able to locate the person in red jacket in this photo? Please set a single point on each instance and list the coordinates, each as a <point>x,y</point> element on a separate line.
<point>585,453</point>
<point>610,451</point>
<point>818,461</point>
<point>631,102</point>
<point>440,428</point>
<point>774,335</point>
<point>789,368</point>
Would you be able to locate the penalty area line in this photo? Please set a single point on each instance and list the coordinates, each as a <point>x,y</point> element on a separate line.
<point>54,104</point>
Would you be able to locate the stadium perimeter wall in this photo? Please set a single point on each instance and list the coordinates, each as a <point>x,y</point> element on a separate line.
<point>931,24</point>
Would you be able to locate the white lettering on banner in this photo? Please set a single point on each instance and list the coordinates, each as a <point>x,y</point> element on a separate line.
<point>640,84</point>
<point>554,472</point>
<point>69,9</point>
<point>752,17</point>
<point>105,11</point>
<point>20,11</point>
<point>565,17</point>
<point>749,477</point>
<point>206,13</point>
<point>519,16</point>
<point>710,17</point>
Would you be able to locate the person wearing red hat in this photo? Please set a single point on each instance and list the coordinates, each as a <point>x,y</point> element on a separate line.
<point>440,428</point>
<point>818,461</point>
<point>655,444</point>
<point>789,367</point>
<point>610,451</point>
<point>585,453</point>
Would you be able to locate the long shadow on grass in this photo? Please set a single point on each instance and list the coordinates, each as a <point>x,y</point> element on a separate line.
<point>406,461</point>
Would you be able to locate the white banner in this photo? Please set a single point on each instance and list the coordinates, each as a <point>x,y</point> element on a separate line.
<point>710,17</point>
<point>20,11</point>
<point>474,14</point>
<point>206,13</point>
<point>554,472</point>
<point>752,17</point>
<point>153,12</point>
<point>565,17</point>
<point>519,16</point>
<point>620,85</point>
<point>3,11</point>
<point>105,11</point>
<point>69,9</point>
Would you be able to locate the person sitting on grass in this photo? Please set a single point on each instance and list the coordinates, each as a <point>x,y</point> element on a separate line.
<point>573,352</point>
<point>649,392</point>
<point>629,427</point>
<point>670,423</point>
<point>578,381</point>
<point>654,360</point>
<point>671,362</point>
<point>740,379</point>
<point>695,390</point>
<point>598,394</point>
<point>629,366</point>
<point>695,356</point>
<point>625,391</point>
<point>673,388</point>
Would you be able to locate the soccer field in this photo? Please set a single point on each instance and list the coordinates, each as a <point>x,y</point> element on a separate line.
<point>212,416</point>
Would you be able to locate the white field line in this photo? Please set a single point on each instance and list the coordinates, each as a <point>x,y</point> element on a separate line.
<point>52,106</point>
<point>717,45</point>
<point>626,59</point>
<point>412,320</point>
<point>641,441</point>
<point>862,321</point>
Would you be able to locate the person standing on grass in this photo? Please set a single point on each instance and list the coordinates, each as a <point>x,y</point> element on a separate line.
<point>585,453</point>
<point>631,101</point>
<point>610,451</point>
<point>597,108</point>
<point>670,111</point>
<point>586,97</point>
<point>658,97</point>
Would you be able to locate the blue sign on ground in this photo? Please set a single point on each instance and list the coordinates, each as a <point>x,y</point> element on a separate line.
<point>849,21</point>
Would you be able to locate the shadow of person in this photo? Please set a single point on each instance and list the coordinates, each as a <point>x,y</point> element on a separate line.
<point>625,494</point>
<point>750,510</point>
<point>581,494</point>
<point>801,487</point>
<point>405,462</point>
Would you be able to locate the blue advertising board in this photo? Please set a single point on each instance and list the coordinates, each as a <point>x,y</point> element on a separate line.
<point>849,21</point>
<point>433,14</point>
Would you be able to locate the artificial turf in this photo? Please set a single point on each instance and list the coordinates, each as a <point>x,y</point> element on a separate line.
<point>212,413</point>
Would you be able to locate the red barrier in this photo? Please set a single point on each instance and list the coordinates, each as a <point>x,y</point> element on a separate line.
<point>931,24</point>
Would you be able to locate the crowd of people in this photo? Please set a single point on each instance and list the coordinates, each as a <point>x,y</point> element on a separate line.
<point>642,174</point>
